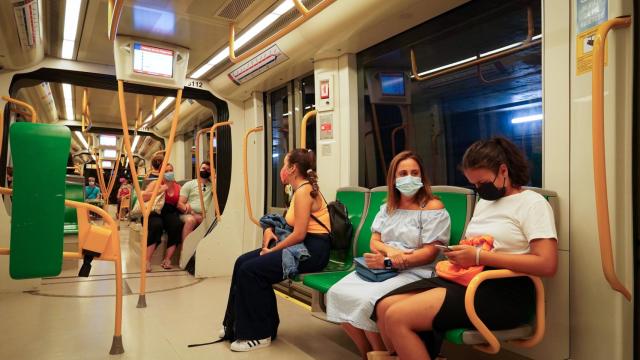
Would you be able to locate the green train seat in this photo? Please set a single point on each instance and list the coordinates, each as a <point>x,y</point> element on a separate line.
<point>74,191</point>
<point>531,332</point>
<point>321,282</point>
<point>37,236</point>
<point>460,203</point>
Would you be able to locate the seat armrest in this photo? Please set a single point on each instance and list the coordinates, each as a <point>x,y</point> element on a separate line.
<point>493,345</point>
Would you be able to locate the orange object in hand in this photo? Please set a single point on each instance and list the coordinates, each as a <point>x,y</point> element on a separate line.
<point>456,273</point>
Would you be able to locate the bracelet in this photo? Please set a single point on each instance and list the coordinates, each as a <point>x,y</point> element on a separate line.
<point>478,256</point>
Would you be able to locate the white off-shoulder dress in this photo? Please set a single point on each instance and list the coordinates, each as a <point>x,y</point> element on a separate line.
<point>351,300</point>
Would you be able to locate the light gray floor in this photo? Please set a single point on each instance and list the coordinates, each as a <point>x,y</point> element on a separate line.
<point>73,318</point>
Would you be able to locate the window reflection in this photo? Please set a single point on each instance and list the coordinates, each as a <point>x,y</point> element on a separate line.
<point>280,116</point>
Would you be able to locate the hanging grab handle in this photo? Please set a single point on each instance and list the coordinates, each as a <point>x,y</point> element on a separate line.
<point>247,196</point>
<point>599,166</point>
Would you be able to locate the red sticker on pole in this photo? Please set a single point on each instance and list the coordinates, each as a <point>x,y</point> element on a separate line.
<point>324,89</point>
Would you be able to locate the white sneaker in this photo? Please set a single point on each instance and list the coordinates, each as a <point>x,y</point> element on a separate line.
<point>221,333</point>
<point>249,345</point>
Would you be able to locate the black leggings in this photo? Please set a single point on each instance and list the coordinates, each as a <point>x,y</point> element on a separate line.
<point>169,220</point>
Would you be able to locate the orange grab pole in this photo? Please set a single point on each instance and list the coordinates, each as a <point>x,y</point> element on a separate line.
<point>303,127</point>
<point>247,195</point>
<point>214,181</point>
<point>197,141</point>
<point>599,165</point>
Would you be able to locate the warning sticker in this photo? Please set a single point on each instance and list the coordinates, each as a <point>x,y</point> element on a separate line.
<point>584,51</point>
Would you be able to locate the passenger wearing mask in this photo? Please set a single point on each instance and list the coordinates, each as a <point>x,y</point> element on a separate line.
<point>190,199</point>
<point>168,219</point>
<point>524,240</point>
<point>92,191</point>
<point>252,315</point>
<point>403,234</point>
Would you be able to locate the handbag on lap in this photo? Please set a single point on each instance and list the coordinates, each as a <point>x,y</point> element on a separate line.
<point>373,275</point>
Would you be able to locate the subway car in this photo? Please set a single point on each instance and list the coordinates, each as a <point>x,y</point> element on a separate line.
<point>146,144</point>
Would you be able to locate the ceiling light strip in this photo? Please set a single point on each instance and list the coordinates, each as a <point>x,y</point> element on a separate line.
<point>71,17</point>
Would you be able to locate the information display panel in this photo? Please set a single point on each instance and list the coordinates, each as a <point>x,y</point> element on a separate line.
<point>152,60</point>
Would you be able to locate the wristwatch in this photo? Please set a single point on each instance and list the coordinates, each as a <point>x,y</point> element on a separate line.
<point>387,263</point>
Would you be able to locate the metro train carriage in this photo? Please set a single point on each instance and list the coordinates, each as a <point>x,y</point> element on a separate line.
<point>146,144</point>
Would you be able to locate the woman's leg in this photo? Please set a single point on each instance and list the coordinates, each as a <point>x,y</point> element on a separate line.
<point>173,226</point>
<point>153,237</point>
<point>375,339</point>
<point>255,302</point>
<point>411,315</point>
<point>229,315</point>
<point>359,338</point>
<point>381,311</point>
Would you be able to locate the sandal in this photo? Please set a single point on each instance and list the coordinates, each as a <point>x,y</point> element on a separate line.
<point>166,264</point>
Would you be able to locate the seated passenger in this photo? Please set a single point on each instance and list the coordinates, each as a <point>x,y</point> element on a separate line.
<point>124,190</point>
<point>92,191</point>
<point>404,231</point>
<point>168,219</point>
<point>156,164</point>
<point>524,240</point>
<point>190,199</point>
<point>251,318</point>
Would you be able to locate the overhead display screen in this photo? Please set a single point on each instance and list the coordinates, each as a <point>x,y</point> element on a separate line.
<point>392,84</point>
<point>152,60</point>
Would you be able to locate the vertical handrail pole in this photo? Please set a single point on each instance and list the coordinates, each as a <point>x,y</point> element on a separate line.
<point>599,165</point>
<point>303,127</point>
<point>245,173</point>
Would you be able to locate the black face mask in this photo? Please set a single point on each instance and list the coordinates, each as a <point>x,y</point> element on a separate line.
<point>489,191</point>
<point>205,174</point>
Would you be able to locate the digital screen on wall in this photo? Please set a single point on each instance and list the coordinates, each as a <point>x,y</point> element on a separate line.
<point>151,60</point>
<point>392,84</point>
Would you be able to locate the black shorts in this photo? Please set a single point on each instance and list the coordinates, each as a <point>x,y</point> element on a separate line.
<point>500,303</point>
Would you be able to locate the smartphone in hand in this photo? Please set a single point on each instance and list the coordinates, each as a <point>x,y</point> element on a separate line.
<point>443,247</point>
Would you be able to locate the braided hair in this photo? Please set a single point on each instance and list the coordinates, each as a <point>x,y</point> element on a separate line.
<point>306,162</point>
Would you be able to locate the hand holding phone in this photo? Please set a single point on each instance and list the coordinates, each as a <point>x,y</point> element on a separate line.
<point>443,247</point>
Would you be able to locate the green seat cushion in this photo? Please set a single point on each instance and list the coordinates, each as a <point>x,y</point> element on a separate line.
<point>323,281</point>
<point>40,155</point>
<point>74,191</point>
<point>456,205</point>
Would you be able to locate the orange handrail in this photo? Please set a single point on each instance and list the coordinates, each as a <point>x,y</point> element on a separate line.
<point>114,10</point>
<point>493,345</point>
<point>303,127</point>
<point>402,127</point>
<point>214,181</point>
<point>34,115</point>
<point>306,15</point>
<point>116,346</point>
<point>247,196</point>
<point>146,207</point>
<point>200,132</point>
<point>599,165</point>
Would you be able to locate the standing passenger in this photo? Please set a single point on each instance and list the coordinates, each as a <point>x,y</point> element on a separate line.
<point>524,239</point>
<point>403,233</point>
<point>251,317</point>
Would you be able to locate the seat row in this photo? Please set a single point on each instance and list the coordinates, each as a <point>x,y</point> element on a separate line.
<point>363,205</point>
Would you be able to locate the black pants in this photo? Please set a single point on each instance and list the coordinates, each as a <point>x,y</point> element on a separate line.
<point>168,220</point>
<point>252,311</point>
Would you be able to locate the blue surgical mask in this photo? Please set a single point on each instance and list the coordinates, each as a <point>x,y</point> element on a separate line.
<point>409,185</point>
<point>169,176</point>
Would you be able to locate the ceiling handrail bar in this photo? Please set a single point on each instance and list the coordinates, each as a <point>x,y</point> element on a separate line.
<point>275,37</point>
<point>114,10</point>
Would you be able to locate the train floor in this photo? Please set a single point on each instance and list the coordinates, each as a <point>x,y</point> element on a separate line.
<point>69,317</point>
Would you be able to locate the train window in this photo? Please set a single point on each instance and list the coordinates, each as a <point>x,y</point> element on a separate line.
<point>490,86</point>
<point>280,116</point>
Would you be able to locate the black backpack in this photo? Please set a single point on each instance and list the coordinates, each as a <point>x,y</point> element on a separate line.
<point>341,228</point>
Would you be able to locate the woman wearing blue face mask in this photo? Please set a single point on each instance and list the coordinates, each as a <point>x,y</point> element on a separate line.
<point>168,219</point>
<point>403,234</point>
<point>524,240</point>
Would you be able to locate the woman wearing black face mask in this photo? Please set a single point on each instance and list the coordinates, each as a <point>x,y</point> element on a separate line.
<point>524,240</point>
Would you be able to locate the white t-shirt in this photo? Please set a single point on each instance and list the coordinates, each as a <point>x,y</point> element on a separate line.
<point>513,221</point>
